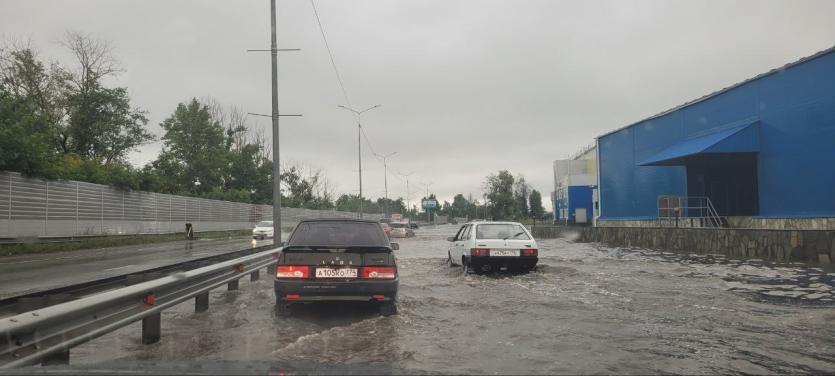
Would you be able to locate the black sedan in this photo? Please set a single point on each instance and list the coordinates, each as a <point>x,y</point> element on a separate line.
<point>337,260</point>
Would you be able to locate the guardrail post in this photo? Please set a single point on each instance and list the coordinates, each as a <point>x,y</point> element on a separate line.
<point>201,302</point>
<point>57,359</point>
<point>254,276</point>
<point>151,328</point>
<point>233,285</point>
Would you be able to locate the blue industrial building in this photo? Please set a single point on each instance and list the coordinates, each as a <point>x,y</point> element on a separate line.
<point>575,181</point>
<point>573,200</point>
<point>763,148</point>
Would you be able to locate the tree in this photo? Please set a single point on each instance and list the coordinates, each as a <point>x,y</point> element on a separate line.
<point>459,206</point>
<point>55,111</point>
<point>24,138</point>
<point>101,124</point>
<point>194,151</point>
<point>537,211</point>
<point>499,188</point>
<point>521,191</point>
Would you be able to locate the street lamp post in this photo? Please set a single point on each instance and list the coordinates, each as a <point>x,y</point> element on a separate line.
<point>359,144</point>
<point>386,179</point>
<point>428,214</point>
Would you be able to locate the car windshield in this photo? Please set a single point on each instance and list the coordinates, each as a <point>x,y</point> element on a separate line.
<point>540,186</point>
<point>338,234</point>
<point>501,231</point>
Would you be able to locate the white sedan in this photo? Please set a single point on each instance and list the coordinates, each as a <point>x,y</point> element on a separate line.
<point>493,246</point>
<point>263,230</point>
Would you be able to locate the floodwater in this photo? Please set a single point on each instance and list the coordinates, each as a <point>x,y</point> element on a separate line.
<point>587,309</point>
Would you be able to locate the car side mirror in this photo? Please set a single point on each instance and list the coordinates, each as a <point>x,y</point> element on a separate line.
<point>395,246</point>
<point>450,239</point>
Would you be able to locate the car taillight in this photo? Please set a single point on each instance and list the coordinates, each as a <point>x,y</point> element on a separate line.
<point>529,252</point>
<point>479,252</point>
<point>379,272</point>
<point>288,271</point>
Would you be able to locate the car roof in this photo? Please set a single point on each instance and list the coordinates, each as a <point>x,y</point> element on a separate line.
<point>494,223</point>
<point>340,220</point>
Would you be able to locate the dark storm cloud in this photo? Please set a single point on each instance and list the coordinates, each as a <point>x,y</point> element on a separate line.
<point>466,87</point>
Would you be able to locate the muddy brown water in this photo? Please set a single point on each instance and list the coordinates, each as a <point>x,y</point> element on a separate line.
<point>586,309</point>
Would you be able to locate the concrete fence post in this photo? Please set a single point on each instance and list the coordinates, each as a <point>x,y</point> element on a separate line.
<point>76,209</point>
<point>46,210</point>
<point>11,232</point>
<point>101,213</point>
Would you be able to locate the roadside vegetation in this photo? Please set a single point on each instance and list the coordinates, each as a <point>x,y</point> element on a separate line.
<point>61,120</point>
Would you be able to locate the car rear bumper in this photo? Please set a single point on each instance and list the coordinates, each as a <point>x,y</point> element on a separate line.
<point>497,263</point>
<point>317,291</point>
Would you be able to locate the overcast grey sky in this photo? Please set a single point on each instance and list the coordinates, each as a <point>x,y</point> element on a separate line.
<point>466,87</point>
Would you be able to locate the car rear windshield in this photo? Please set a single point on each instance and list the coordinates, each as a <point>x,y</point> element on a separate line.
<point>264,224</point>
<point>399,225</point>
<point>338,234</point>
<point>501,231</point>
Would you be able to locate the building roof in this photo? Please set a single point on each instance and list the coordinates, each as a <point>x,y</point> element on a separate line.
<point>729,88</point>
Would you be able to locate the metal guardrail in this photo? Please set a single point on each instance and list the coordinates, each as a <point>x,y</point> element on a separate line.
<point>10,306</point>
<point>46,335</point>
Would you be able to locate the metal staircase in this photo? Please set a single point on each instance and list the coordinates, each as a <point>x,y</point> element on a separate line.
<point>688,211</point>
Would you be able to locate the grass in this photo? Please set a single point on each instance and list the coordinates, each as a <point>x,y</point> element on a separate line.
<point>41,246</point>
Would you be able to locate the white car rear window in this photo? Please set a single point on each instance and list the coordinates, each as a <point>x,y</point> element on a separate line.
<point>501,231</point>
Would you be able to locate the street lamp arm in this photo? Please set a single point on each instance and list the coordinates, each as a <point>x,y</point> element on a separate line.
<point>370,108</point>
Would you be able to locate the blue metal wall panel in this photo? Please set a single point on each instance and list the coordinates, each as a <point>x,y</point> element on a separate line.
<point>580,196</point>
<point>796,172</point>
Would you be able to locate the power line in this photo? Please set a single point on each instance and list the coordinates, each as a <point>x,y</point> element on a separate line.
<point>330,54</point>
<point>336,71</point>
<point>367,141</point>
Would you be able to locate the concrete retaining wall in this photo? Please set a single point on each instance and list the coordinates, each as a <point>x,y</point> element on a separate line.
<point>734,222</point>
<point>815,246</point>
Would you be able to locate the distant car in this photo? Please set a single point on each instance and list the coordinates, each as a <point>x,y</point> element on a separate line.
<point>413,225</point>
<point>263,230</point>
<point>337,260</point>
<point>493,246</point>
<point>401,230</point>
<point>386,228</point>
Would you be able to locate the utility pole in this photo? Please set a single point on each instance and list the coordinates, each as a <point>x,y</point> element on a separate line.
<point>359,143</point>
<point>428,210</point>
<point>386,179</point>
<point>408,198</point>
<point>276,162</point>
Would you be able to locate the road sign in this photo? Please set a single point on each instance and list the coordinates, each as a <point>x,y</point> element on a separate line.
<point>429,204</point>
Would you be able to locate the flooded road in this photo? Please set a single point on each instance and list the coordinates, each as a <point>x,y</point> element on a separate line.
<point>586,309</point>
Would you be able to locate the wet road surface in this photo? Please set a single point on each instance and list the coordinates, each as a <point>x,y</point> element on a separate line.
<point>37,272</point>
<point>587,309</point>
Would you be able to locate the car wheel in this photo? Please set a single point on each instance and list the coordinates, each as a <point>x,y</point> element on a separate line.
<point>466,266</point>
<point>283,309</point>
<point>449,260</point>
<point>388,308</point>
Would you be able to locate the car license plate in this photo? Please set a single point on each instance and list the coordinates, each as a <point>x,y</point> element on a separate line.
<point>504,252</point>
<point>336,273</point>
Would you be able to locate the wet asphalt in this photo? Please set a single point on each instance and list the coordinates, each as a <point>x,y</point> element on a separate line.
<point>30,273</point>
<point>586,309</point>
